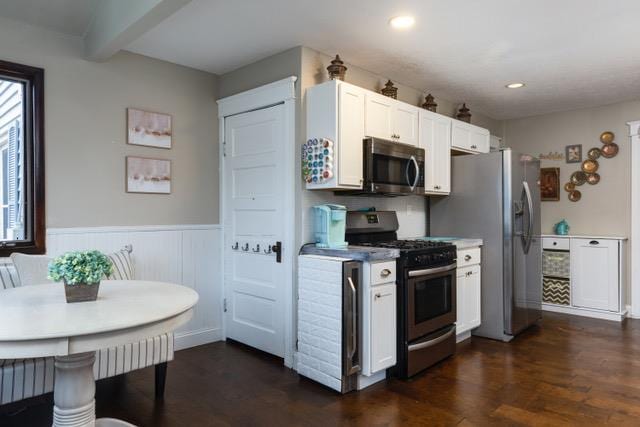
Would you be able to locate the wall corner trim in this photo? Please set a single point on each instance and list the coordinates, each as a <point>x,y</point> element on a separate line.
<point>260,97</point>
<point>634,127</point>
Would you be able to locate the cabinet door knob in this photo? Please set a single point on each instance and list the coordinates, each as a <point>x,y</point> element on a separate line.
<point>385,273</point>
<point>474,146</point>
<point>378,295</point>
<point>594,242</point>
<point>467,257</point>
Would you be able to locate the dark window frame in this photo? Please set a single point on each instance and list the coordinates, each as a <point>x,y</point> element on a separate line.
<point>34,185</point>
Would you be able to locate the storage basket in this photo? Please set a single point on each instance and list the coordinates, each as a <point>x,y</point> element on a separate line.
<point>556,264</point>
<point>556,291</point>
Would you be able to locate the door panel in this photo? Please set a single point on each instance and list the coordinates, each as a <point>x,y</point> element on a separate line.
<point>378,116</point>
<point>594,274</point>
<point>405,123</point>
<point>254,281</point>
<point>383,327</point>
<point>351,135</point>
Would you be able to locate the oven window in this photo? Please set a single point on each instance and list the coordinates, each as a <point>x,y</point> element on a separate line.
<point>392,170</point>
<point>432,298</point>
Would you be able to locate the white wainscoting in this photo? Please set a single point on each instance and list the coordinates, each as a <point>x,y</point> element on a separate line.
<point>190,255</point>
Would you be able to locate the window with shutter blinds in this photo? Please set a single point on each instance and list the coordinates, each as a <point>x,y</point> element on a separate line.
<point>22,214</point>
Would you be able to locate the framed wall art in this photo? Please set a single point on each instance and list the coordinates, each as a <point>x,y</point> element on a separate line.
<point>573,153</point>
<point>148,128</point>
<point>145,175</point>
<point>550,184</point>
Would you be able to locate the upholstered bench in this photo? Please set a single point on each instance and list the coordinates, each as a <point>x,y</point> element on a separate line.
<point>23,378</point>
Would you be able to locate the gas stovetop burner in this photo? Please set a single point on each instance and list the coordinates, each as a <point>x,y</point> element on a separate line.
<point>406,244</point>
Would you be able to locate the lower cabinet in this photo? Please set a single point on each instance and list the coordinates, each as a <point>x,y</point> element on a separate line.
<point>468,299</point>
<point>383,326</point>
<point>584,276</point>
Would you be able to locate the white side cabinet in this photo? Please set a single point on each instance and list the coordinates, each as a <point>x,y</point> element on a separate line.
<point>469,138</point>
<point>468,292</point>
<point>435,139</point>
<point>379,332</point>
<point>595,284</point>
<point>390,119</point>
<point>335,111</point>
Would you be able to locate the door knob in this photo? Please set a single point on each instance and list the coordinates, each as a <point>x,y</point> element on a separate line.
<point>467,257</point>
<point>277,248</point>
<point>385,273</point>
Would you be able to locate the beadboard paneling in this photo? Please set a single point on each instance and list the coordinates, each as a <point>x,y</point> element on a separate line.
<point>183,254</point>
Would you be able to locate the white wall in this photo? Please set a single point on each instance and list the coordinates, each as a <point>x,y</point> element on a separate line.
<point>186,254</point>
<point>85,104</point>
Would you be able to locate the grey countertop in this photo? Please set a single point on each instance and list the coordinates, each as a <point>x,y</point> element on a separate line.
<point>357,253</point>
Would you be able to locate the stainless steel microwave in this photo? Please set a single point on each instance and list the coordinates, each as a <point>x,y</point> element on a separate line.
<point>392,168</point>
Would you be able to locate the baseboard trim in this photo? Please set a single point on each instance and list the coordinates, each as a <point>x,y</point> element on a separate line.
<point>616,317</point>
<point>190,339</point>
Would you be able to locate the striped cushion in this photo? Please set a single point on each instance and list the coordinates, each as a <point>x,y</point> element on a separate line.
<point>8,276</point>
<point>122,264</point>
<point>23,378</point>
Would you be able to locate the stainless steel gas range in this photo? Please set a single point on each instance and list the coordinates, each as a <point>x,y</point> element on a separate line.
<point>426,279</point>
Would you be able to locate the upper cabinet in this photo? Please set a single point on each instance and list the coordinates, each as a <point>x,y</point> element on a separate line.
<point>390,119</point>
<point>435,139</point>
<point>340,115</point>
<point>469,138</point>
<point>335,120</point>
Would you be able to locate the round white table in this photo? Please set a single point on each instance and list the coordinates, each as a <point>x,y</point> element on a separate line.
<point>36,321</point>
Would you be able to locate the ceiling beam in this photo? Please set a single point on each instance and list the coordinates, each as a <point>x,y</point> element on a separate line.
<point>117,23</point>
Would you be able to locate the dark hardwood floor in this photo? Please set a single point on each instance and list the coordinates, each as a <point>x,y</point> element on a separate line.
<point>568,371</point>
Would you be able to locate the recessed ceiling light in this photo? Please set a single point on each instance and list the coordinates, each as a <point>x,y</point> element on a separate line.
<point>402,22</point>
<point>514,85</point>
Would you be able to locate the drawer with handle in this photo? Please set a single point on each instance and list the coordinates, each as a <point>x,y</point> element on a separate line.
<point>383,272</point>
<point>554,243</point>
<point>469,256</point>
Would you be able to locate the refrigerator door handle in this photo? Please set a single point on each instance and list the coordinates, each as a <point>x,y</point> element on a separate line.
<point>529,234</point>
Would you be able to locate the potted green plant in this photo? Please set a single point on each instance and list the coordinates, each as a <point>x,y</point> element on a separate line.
<point>81,273</point>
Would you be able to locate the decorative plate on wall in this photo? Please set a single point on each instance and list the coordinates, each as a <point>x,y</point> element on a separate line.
<point>575,195</point>
<point>590,166</point>
<point>578,178</point>
<point>569,187</point>
<point>593,178</point>
<point>607,137</point>
<point>594,153</point>
<point>609,150</point>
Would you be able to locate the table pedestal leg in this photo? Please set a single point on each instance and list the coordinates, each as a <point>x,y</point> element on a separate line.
<point>74,391</point>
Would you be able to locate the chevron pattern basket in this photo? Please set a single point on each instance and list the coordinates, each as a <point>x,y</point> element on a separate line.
<point>556,291</point>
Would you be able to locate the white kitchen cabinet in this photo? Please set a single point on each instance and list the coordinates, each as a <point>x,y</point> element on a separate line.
<point>405,123</point>
<point>390,119</point>
<point>378,116</point>
<point>595,273</point>
<point>335,111</point>
<point>435,139</point>
<point>468,299</point>
<point>469,138</point>
<point>383,327</point>
<point>584,276</point>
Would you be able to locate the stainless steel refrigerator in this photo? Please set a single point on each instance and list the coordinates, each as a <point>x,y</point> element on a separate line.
<point>496,197</point>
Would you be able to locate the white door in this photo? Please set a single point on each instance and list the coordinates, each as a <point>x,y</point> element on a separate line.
<point>461,287</point>
<point>383,327</point>
<point>378,116</point>
<point>435,139</point>
<point>405,123</point>
<point>254,203</point>
<point>460,135</point>
<point>472,298</point>
<point>351,124</point>
<point>594,273</point>
<point>480,139</point>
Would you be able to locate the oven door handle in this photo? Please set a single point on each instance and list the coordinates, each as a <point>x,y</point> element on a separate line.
<point>431,343</point>
<point>449,267</point>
